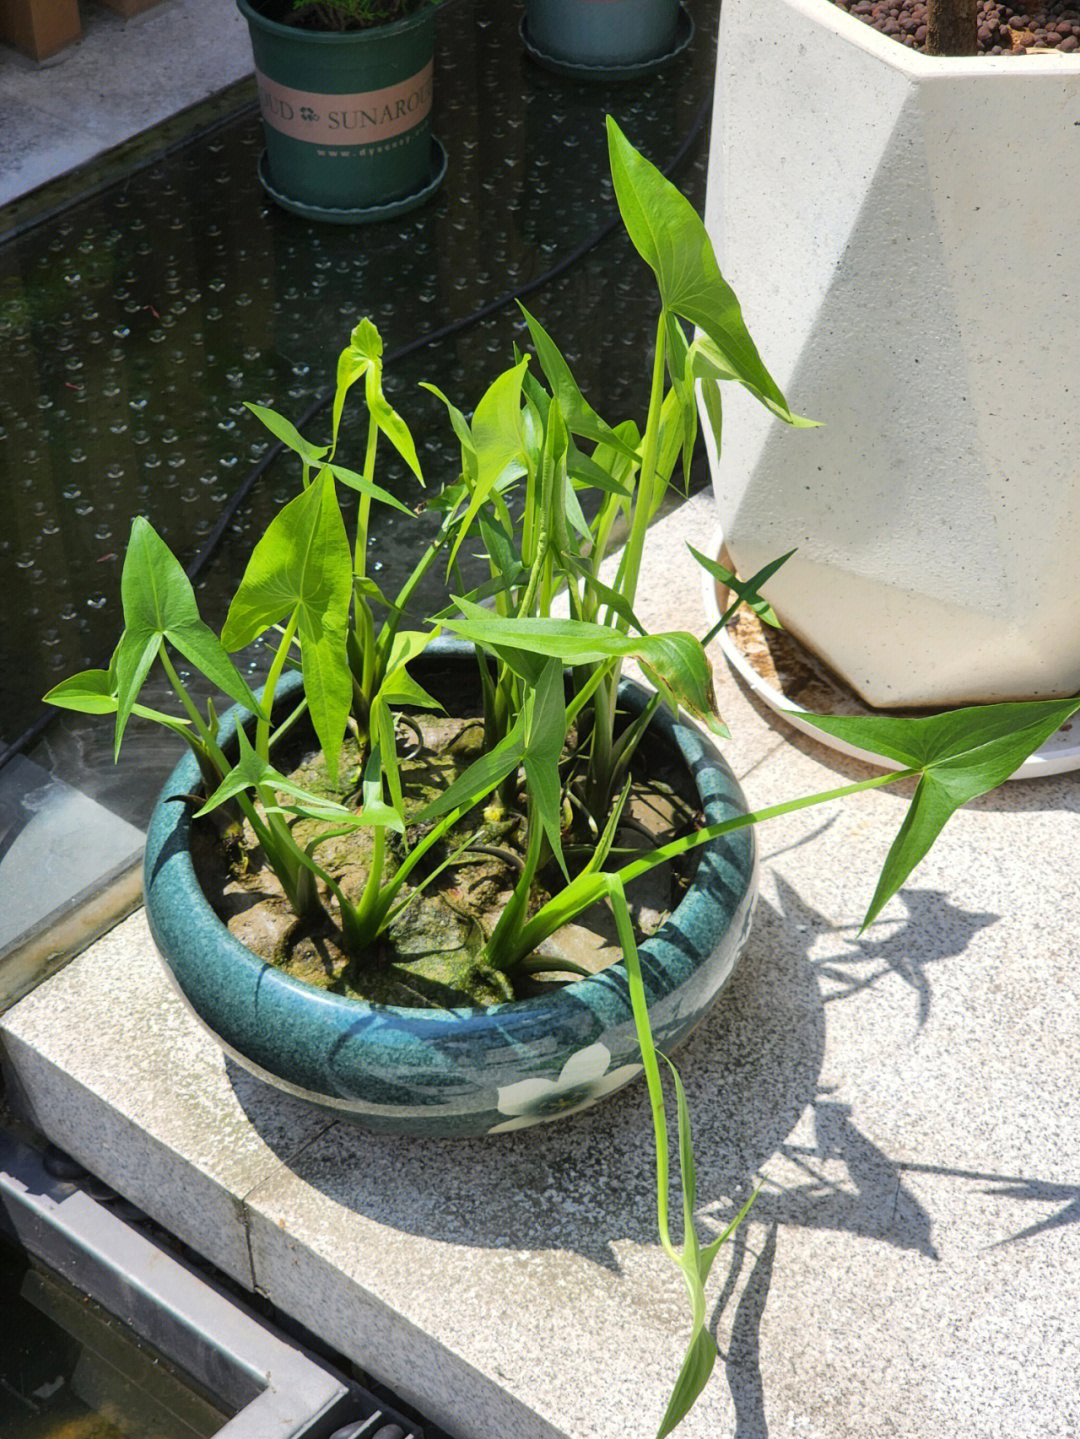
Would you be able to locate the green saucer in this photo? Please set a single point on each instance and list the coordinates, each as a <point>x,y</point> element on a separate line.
<point>364,214</point>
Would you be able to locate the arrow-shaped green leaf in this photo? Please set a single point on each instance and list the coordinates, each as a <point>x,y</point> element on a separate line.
<point>159,605</point>
<point>960,754</point>
<point>303,565</point>
<point>675,661</point>
<point>670,236</point>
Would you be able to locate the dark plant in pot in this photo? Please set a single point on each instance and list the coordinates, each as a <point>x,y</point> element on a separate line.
<point>530,783</point>
<point>345,91</point>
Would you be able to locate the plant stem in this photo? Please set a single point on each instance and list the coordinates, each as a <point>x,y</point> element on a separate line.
<point>262,727</point>
<point>630,564</point>
<point>587,888</point>
<point>502,950</point>
<point>952,27</point>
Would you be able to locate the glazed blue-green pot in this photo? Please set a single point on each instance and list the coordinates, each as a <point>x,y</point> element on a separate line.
<point>456,1071</point>
<point>602,32</point>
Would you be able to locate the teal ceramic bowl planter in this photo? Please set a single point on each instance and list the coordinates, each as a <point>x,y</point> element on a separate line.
<point>346,116</point>
<point>605,39</point>
<point>463,1071</point>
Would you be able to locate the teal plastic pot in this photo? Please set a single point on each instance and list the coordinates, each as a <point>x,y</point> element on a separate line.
<point>451,1072</point>
<point>346,115</point>
<point>602,33</point>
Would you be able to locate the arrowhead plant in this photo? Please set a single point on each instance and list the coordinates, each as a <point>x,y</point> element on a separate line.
<point>545,488</point>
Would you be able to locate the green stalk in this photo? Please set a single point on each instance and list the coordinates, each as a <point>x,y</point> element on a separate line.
<point>503,949</point>
<point>211,745</point>
<point>368,902</point>
<point>363,514</point>
<point>587,888</point>
<point>262,726</point>
<point>276,840</point>
<point>638,1005</point>
<point>630,565</point>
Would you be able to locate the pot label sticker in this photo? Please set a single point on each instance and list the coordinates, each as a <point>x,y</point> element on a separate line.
<point>338,120</point>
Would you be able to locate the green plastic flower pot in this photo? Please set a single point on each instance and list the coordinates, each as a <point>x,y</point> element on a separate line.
<point>452,1072</point>
<point>602,33</point>
<point>346,114</point>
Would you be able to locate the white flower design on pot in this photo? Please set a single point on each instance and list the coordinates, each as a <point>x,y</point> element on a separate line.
<point>583,1080</point>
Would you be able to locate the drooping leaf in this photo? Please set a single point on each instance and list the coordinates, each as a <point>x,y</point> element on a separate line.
<point>671,237</point>
<point>960,754</point>
<point>675,661</point>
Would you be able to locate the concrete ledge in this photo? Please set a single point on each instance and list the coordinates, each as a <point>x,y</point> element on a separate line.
<point>69,870</point>
<point>909,1097</point>
<point>123,77</point>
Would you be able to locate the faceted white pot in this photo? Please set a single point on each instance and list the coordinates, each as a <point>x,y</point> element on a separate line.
<point>902,232</point>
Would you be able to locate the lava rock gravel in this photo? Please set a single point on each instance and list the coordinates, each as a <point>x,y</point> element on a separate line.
<point>1003,29</point>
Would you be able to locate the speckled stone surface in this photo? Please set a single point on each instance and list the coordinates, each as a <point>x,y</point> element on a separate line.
<point>170,1145</point>
<point>909,1098</point>
<point>121,78</point>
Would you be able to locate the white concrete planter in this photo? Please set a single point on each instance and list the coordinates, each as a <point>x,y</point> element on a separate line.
<point>902,231</point>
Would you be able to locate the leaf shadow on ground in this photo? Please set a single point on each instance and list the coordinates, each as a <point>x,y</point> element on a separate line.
<point>751,1070</point>
<point>753,1075</point>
